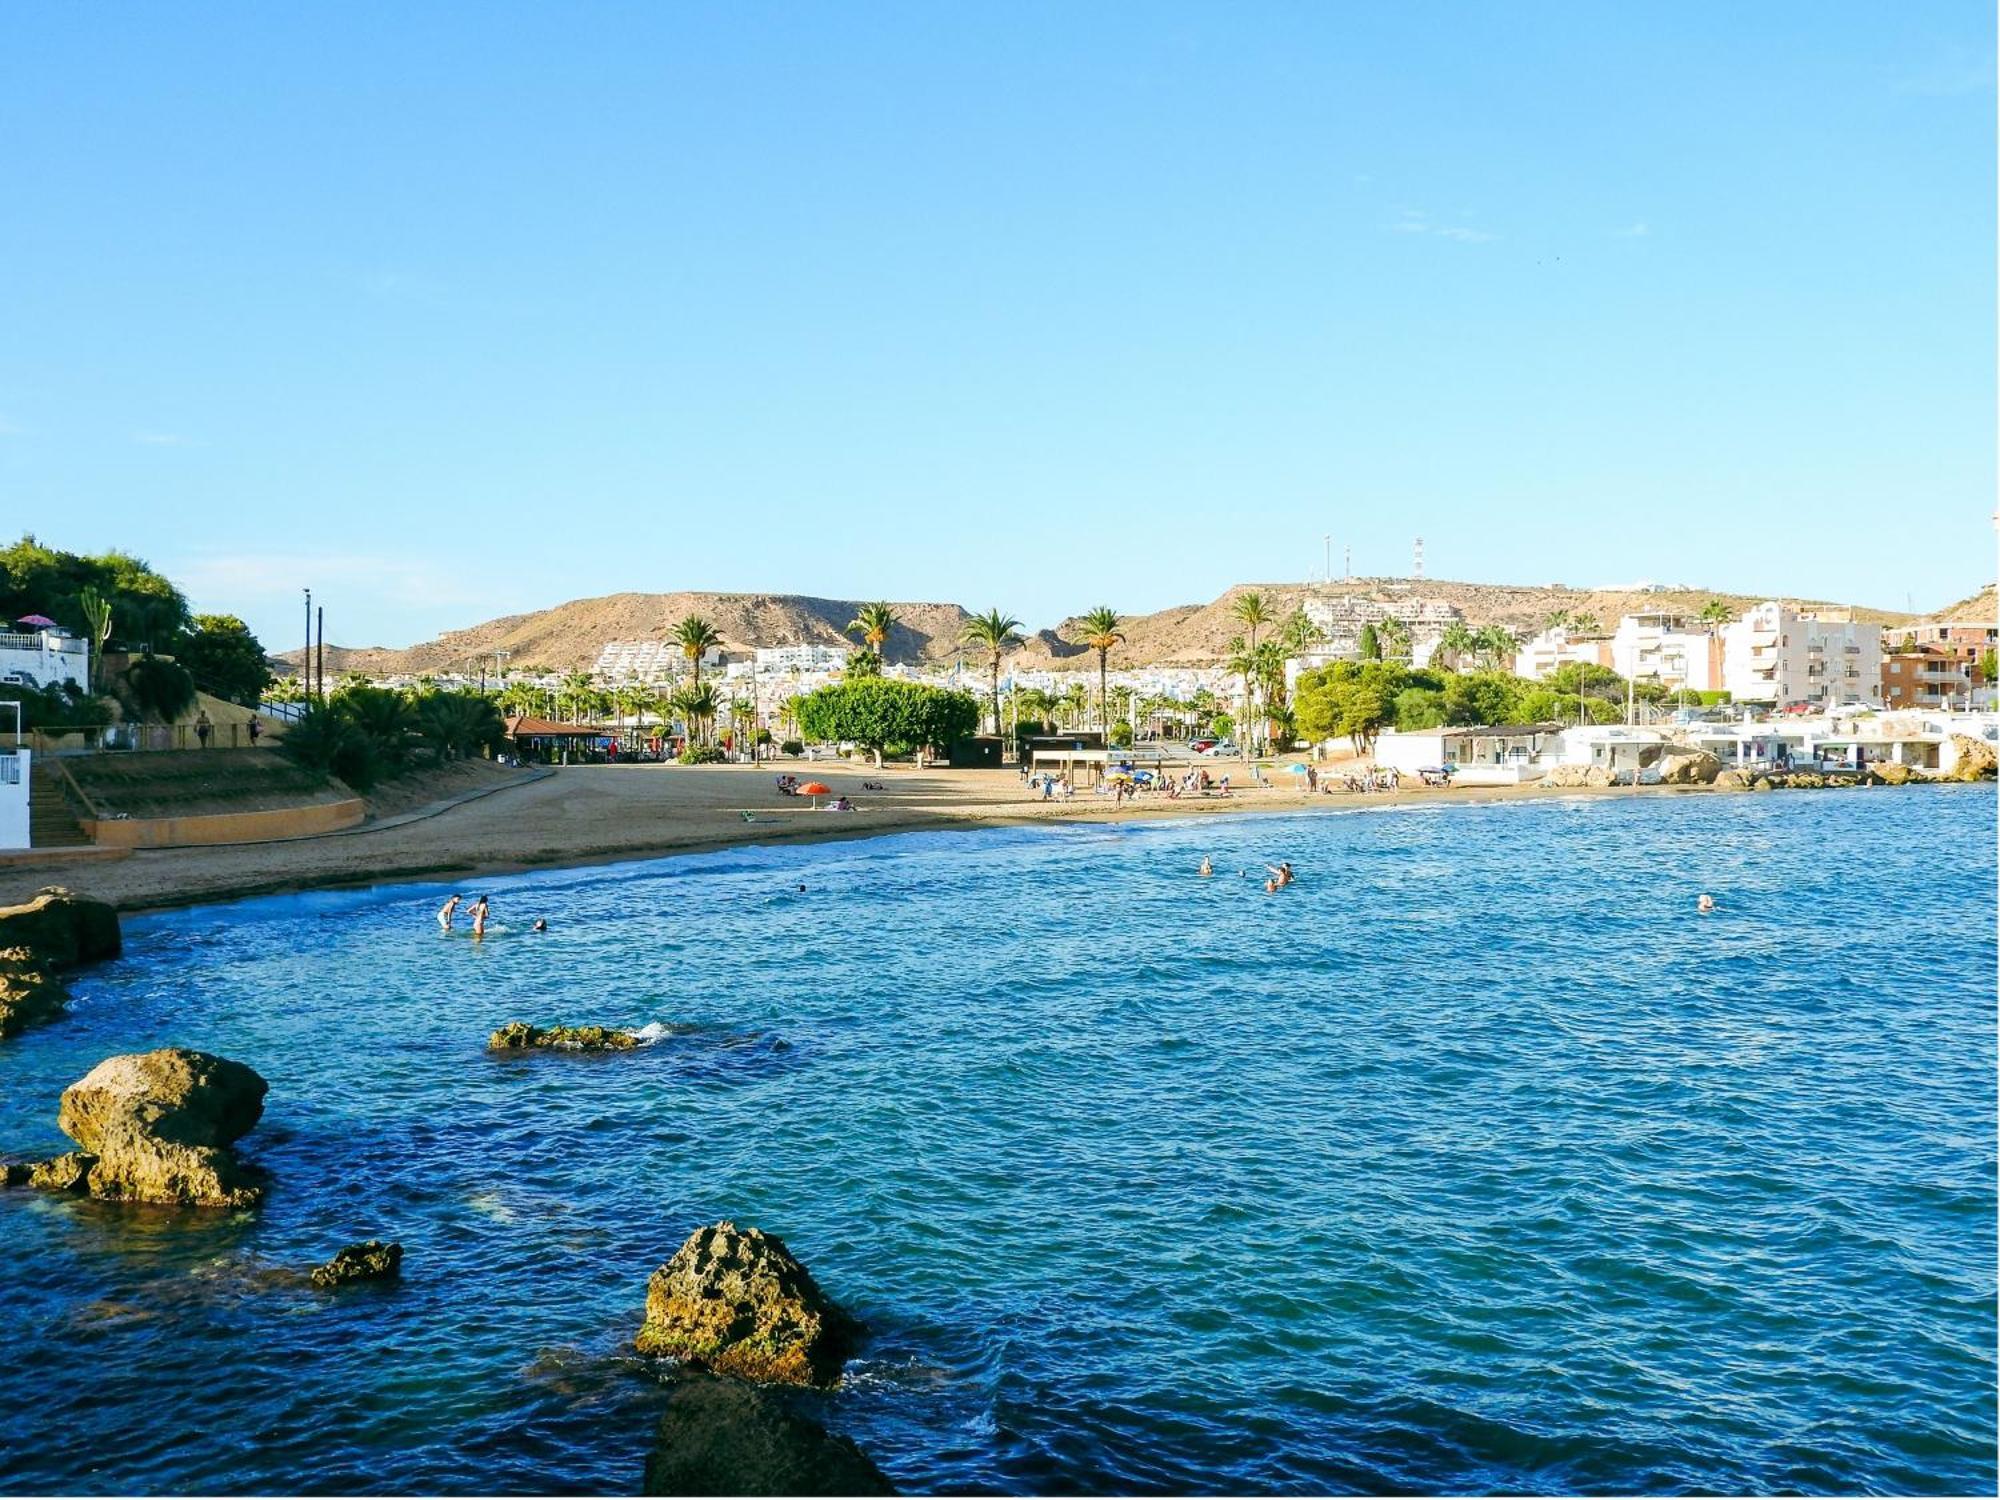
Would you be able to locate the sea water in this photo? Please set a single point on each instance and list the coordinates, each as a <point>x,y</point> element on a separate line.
<point>1476,1160</point>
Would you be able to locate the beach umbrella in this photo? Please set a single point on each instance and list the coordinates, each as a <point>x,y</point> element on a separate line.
<point>39,620</point>
<point>1297,768</point>
<point>816,790</point>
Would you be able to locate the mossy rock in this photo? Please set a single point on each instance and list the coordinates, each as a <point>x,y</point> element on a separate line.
<point>736,1302</point>
<point>519,1035</point>
<point>370,1260</point>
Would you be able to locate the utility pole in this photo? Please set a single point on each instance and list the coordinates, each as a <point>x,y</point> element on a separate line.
<point>322,653</point>
<point>306,661</point>
<point>1328,539</point>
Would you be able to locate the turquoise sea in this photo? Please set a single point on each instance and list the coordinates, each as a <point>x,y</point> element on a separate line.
<point>1475,1161</point>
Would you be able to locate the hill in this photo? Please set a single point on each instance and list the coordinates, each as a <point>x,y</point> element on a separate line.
<point>569,636</point>
<point>1980,608</point>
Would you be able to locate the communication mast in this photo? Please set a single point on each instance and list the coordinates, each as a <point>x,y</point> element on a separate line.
<point>1417,561</point>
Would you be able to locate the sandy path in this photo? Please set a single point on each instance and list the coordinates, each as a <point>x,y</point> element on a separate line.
<point>586,814</point>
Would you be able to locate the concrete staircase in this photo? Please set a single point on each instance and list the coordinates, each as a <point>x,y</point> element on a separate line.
<point>51,823</point>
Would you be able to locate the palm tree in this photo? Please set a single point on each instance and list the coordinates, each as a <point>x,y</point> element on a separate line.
<point>992,633</point>
<point>1394,636</point>
<point>1493,642</point>
<point>575,692</point>
<point>696,704</point>
<point>1715,613</point>
<point>1554,618</point>
<point>1458,642</point>
<point>1583,622</point>
<point>1100,633</point>
<point>696,638</point>
<point>1072,701</point>
<point>1243,662</point>
<point>873,622</point>
<point>1255,613</point>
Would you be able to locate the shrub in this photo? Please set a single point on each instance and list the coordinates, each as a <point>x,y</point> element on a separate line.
<point>159,689</point>
<point>878,711</point>
<point>793,747</point>
<point>700,755</point>
<point>1121,734</point>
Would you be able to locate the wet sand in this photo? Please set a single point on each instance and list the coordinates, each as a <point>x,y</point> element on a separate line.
<point>594,814</point>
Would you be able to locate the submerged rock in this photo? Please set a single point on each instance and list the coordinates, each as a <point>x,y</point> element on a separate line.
<point>519,1034</point>
<point>721,1437</point>
<point>155,1127</point>
<point>28,994</point>
<point>69,1173</point>
<point>734,1301</point>
<point>370,1260</point>
<point>61,929</point>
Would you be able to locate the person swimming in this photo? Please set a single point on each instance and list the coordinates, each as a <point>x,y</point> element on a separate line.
<point>541,925</point>
<point>446,913</point>
<point>1705,903</point>
<point>479,915</point>
<point>1206,868</point>
<point>1281,874</point>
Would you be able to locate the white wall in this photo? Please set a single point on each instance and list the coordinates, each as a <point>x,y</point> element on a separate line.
<point>45,658</point>
<point>14,799</point>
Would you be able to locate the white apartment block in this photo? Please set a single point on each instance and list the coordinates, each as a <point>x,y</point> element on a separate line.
<point>774,659</point>
<point>646,661</point>
<point>1540,655</point>
<point>1667,648</point>
<point>43,658</point>
<point>1778,655</point>
<point>1339,619</point>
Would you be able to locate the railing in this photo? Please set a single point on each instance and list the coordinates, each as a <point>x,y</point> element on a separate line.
<point>92,739</point>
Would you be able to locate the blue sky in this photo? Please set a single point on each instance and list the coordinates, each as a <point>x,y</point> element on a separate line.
<point>450,311</point>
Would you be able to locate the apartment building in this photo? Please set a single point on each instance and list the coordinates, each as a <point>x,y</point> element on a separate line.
<point>1540,655</point>
<point>1667,648</point>
<point>1780,655</point>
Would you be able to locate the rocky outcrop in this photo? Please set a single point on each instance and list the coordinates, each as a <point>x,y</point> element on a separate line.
<point>370,1260</point>
<point>1732,781</point>
<point>61,930</point>
<point>517,1035</point>
<point>156,1127</point>
<point>721,1437</point>
<point>1888,773</point>
<point>1574,776</point>
<point>29,995</point>
<point>1971,759</point>
<point>734,1301</point>
<point>1689,768</point>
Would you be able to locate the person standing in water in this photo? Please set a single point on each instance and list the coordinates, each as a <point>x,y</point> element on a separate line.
<point>446,913</point>
<point>1705,904</point>
<point>1206,869</point>
<point>479,912</point>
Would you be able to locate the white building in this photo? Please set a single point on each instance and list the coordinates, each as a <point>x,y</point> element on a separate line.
<point>1479,754</point>
<point>1340,618</point>
<point>771,659</point>
<point>1666,648</point>
<point>1776,654</point>
<point>646,661</point>
<point>44,658</point>
<point>14,798</point>
<point>1540,655</point>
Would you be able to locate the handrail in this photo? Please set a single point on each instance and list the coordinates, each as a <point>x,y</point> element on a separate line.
<point>75,789</point>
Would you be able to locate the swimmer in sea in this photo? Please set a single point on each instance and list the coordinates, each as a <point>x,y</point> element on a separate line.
<point>1271,886</point>
<point>1206,869</point>
<point>541,925</point>
<point>1281,874</point>
<point>1705,903</point>
<point>446,913</point>
<point>479,911</point>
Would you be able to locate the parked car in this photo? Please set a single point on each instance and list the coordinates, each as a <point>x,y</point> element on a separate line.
<point>1201,746</point>
<point>1219,747</point>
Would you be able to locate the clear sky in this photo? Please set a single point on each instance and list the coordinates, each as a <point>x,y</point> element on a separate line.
<point>450,311</point>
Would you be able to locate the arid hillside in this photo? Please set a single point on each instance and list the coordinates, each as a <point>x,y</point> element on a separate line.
<point>569,636</point>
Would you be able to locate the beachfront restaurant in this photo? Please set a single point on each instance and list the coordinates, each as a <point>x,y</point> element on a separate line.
<point>547,742</point>
<point>1479,754</point>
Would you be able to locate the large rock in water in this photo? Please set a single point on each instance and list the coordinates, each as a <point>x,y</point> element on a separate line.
<point>1733,781</point>
<point>160,1125</point>
<point>370,1260</point>
<point>1689,768</point>
<point>734,1301</point>
<point>1972,759</point>
<point>720,1437</point>
<point>61,929</point>
<point>28,994</point>
<point>520,1034</point>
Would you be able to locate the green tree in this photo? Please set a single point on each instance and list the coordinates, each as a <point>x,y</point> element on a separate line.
<point>992,632</point>
<point>1715,614</point>
<point>1480,698</point>
<point>1419,708</point>
<point>872,623</point>
<point>225,659</point>
<point>696,638</point>
<point>1254,612</point>
<point>383,717</point>
<point>455,724</point>
<point>696,705</point>
<point>1394,634</point>
<point>861,662</point>
<point>159,688</point>
<point>1099,631</point>
<point>1457,643</point>
<point>96,611</point>
<point>1369,643</point>
<point>1492,643</point>
<point>325,739</point>
<point>1357,699</point>
<point>875,712</point>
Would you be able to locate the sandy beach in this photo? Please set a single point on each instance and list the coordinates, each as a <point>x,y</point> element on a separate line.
<point>594,814</point>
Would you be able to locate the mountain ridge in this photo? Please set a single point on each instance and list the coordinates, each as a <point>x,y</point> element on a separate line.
<point>568,637</point>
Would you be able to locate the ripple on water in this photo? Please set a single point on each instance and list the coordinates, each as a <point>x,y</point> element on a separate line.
<point>1473,1162</point>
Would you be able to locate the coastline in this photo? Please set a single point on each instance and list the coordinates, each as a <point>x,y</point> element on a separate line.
<point>586,815</point>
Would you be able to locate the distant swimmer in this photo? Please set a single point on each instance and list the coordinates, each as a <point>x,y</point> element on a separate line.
<point>1206,868</point>
<point>1705,903</point>
<point>541,925</point>
<point>1271,886</point>
<point>447,912</point>
<point>479,914</point>
<point>1281,874</point>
